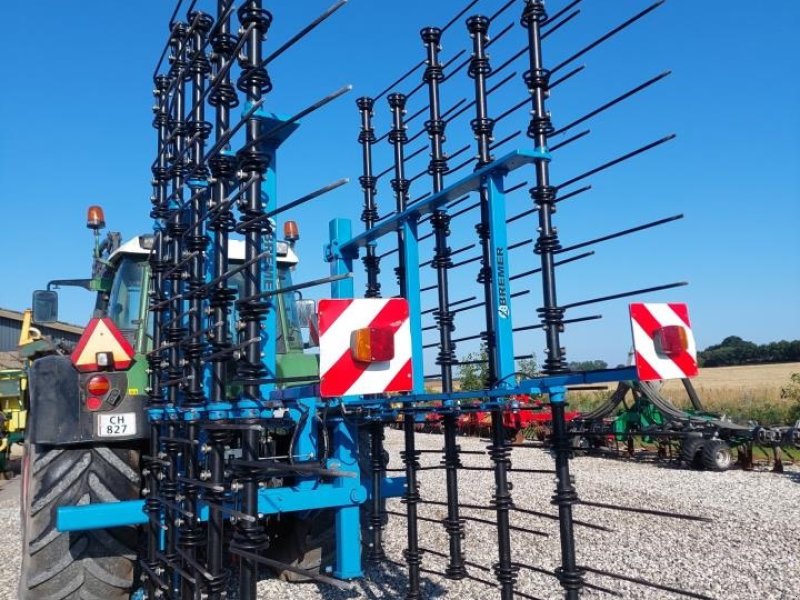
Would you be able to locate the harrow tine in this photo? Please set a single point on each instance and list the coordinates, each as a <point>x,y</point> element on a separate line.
<point>302,33</point>
<point>646,583</point>
<point>616,161</point>
<point>451,304</point>
<point>275,564</point>
<point>527,100</point>
<point>458,15</point>
<point>477,258</point>
<point>606,36</point>
<point>522,51</point>
<point>617,234</point>
<point>598,588</point>
<point>501,10</point>
<point>303,113</point>
<point>611,103</point>
<point>555,264</point>
<point>658,288</point>
<point>646,511</point>
<point>569,140</point>
<point>293,204</point>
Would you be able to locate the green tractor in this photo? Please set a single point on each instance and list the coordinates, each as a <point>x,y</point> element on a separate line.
<point>87,422</point>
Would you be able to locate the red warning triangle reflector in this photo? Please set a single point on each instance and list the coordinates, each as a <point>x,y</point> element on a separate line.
<point>101,335</point>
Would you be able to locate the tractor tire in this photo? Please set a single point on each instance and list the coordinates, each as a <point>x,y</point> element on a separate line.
<point>692,451</point>
<point>97,564</point>
<point>716,455</point>
<point>308,544</point>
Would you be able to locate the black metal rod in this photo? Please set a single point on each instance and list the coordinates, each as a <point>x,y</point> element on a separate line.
<point>658,288</point>
<point>298,286</point>
<point>606,36</point>
<point>647,583</point>
<point>647,511</point>
<point>553,29</point>
<point>555,264</point>
<point>455,18</point>
<point>297,116</point>
<point>616,161</point>
<point>569,140</point>
<point>612,103</point>
<point>622,233</point>
<point>294,203</point>
<point>303,32</point>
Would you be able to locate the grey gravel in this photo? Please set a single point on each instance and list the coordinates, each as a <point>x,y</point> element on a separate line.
<point>749,550</point>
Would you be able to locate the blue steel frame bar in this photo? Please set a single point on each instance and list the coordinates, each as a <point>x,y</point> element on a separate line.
<point>510,162</point>
<point>116,514</point>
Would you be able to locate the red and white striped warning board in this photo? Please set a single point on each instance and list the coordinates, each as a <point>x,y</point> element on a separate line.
<point>364,347</point>
<point>663,341</point>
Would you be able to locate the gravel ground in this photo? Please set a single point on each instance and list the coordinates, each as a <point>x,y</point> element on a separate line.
<point>749,551</point>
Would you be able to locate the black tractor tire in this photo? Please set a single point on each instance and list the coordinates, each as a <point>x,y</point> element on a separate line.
<point>93,564</point>
<point>692,451</point>
<point>307,543</point>
<point>716,455</point>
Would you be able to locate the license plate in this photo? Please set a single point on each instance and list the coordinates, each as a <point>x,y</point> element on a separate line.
<point>116,424</point>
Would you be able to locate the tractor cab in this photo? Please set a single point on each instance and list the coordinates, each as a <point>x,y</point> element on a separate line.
<point>126,304</point>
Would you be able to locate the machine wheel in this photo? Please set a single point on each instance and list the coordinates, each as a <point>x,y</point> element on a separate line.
<point>692,451</point>
<point>716,455</point>
<point>97,563</point>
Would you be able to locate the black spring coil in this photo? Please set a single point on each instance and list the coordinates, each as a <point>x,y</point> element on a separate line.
<point>554,317</point>
<point>533,11</point>
<point>369,214</point>
<point>224,94</point>
<point>178,34</point>
<point>254,76</point>
<point>251,311</point>
<point>411,497</point>
<point>250,537</point>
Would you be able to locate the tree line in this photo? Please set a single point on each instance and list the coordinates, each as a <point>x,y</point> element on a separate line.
<point>733,351</point>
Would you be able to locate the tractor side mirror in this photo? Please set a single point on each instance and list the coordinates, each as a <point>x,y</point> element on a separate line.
<point>45,306</point>
<point>307,317</point>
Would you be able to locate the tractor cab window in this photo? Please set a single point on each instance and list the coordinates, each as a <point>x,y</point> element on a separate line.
<point>288,327</point>
<point>291,337</point>
<point>124,304</point>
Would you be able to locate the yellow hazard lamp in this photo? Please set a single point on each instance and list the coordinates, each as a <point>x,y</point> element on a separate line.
<point>671,341</point>
<point>372,344</point>
<point>291,232</point>
<point>95,219</point>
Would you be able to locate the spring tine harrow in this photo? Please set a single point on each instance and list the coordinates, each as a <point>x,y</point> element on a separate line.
<point>246,440</point>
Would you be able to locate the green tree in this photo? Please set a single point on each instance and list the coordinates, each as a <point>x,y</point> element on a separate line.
<point>473,371</point>
<point>587,365</point>
<point>792,392</point>
<point>527,368</point>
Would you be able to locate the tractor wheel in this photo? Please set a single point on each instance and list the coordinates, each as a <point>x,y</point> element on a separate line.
<point>692,451</point>
<point>97,563</point>
<point>716,455</point>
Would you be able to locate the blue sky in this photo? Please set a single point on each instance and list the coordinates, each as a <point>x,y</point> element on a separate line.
<point>76,106</point>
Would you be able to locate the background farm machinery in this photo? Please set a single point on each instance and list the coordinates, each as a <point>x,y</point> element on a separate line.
<point>192,410</point>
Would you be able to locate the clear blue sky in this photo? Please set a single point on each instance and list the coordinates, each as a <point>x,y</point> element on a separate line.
<point>76,131</point>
